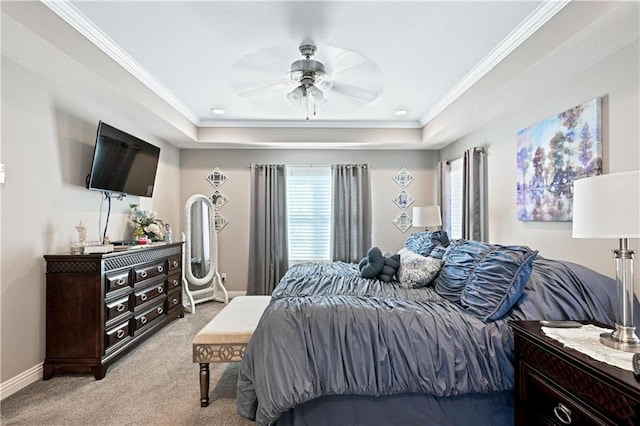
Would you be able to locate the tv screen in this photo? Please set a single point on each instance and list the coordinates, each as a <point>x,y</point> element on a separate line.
<point>123,163</point>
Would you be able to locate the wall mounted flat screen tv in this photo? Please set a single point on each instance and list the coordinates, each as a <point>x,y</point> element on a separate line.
<point>122,163</point>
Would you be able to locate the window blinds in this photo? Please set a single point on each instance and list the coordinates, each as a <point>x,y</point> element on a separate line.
<point>309,213</point>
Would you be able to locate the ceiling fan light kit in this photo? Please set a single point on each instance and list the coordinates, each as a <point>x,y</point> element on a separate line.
<point>310,79</point>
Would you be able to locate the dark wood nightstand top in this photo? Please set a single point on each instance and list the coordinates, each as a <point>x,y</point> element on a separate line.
<point>548,374</point>
<point>532,330</point>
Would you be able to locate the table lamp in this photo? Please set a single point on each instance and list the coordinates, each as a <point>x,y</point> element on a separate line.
<point>426,216</point>
<point>608,206</point>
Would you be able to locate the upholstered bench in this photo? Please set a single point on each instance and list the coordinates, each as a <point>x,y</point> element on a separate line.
<point>225,337</point>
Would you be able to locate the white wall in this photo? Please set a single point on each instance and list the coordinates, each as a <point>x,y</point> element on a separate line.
<point>48,133</point>
<point>233,240</point>
<point>616,80</point>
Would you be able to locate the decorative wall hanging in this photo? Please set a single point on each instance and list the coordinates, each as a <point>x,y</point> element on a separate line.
<point>551,155</point>
<point>220,222</point>
<point>218,199</point>
<point>403,178</point>
<point>403,222</point>
<point>403,200</point>
<point>216,178</point>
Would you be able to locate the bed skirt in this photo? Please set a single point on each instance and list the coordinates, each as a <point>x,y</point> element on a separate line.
<point>490,409</point>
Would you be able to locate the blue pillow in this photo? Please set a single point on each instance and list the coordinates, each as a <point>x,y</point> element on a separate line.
<point>424,242</point>
<point>390,268</point>
<point>486,280</point>
<point>372,265</point>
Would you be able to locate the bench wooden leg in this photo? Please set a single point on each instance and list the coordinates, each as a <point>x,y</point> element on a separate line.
<point>204,384</point>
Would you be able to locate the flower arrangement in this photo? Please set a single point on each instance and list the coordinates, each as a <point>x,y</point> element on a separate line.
<point>146,223</point>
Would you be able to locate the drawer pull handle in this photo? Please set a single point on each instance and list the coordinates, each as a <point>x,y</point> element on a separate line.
<point>562,413</point>
<point>160,269</point>
<point>175,301</point>
<point>143,296</point>
<point>175,283</point>
<point>120,307</point>
<point>143,274</point>
<point>121,281</point>
<point>143,320</point>
<point>120,334</point>
<point>175,263</point>
<point>160,310</point>
<point>160,289</point>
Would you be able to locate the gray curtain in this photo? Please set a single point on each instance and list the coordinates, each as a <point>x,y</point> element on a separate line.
<point>473,204</point>
<point>268,251</point>
<point>351,212</point>
<point>443,184</point>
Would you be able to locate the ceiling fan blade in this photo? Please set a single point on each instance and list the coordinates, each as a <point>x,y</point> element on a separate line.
<point>259,90</point>
<point>355,91</point>
<point>346,60</point>
<point>259,62</point>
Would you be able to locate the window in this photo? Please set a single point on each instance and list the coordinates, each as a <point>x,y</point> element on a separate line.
<point>456,198</point>
<point>309,213</point>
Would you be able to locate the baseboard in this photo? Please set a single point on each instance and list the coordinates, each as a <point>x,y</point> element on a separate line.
<point>235,293</point>
<point>20,381</point>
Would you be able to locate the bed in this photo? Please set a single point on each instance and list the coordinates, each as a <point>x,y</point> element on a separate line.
<point>334,348</point>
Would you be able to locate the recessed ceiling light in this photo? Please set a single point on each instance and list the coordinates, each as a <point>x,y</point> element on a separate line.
<point>401,112</point>
<point>217,111</point>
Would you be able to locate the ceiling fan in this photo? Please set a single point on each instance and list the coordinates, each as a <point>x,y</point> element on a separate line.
<point>308,80</point>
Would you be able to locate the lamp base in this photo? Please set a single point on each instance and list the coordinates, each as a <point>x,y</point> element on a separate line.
<point>622,338</point>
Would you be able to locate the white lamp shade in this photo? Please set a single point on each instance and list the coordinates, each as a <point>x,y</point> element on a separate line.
<point>426,216</point>
<point>607,206</point>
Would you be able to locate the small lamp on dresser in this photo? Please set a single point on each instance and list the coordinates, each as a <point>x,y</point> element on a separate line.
<point>427,216</point>
<point>608,206</point>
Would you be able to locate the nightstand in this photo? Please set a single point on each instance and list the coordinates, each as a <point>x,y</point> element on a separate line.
<point>555,385</point>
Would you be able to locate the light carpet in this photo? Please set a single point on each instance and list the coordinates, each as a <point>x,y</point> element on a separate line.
<point>156,383</point>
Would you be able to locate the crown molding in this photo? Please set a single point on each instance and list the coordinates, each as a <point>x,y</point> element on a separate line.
<point>68,12</point>
<point>322,124</point>
<point>532,23</point>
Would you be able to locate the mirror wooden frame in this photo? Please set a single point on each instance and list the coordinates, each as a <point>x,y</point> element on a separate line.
<point>207,287</point>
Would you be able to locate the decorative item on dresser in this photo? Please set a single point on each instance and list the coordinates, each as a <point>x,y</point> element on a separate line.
<point>555,385</point>
<point>99,306</point>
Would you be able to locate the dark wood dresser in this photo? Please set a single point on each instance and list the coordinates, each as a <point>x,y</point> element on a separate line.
<point>555,385</point>
<point>99,306</point>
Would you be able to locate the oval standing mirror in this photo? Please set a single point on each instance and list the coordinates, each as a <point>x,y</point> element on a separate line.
<point>200,265</point>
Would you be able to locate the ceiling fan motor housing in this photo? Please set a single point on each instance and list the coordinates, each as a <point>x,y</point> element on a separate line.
<point>304,70</point>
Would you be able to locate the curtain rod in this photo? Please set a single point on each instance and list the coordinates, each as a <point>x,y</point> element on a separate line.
<point>312,165</point>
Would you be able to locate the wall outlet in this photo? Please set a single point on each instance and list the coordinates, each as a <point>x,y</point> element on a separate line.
<point>2,173</point>
<point>223,276</point>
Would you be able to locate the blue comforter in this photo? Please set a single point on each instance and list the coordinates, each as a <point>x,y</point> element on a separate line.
<point>329,332</point>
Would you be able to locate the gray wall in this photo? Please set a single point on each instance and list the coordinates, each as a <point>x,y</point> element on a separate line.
<point>233,240</point>
<point>616,80</point>
<point>48,133</point>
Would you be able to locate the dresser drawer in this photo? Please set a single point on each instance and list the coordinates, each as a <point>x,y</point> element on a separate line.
<point>174,281</point>
<point>174,263</point>
<point>117,334</point>
<point>147,317</point>
<point>147,294</point>
<point>117,308</point>
<point>151,270</point>
<point>174,300</point>
<point>116,281</point>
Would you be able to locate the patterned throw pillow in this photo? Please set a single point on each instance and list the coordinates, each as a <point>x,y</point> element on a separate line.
<point>415,270</point>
